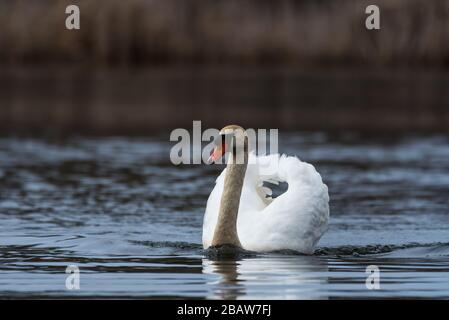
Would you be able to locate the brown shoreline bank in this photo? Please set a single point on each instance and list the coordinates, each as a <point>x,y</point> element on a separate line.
<point>294,32</point>
<point>145,101</point>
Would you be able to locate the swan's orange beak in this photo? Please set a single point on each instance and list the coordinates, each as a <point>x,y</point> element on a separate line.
<point>217,153</point>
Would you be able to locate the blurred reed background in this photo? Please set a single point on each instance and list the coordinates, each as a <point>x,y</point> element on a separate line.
<point>141,66</point>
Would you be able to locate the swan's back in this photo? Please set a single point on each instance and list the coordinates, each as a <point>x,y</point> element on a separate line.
<point>295,220</point>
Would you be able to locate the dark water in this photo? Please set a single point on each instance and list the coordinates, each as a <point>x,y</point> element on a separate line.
<point>131,221</point>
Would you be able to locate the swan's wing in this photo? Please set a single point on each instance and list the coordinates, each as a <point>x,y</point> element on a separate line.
<point>296,219</point>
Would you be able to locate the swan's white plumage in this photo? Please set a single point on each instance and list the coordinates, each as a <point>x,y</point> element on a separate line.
<point>295,220</point>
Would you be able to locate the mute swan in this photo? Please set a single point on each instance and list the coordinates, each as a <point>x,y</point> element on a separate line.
<point>241,214</point>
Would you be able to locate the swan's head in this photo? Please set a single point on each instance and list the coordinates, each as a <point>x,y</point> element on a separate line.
<point>225,141</point>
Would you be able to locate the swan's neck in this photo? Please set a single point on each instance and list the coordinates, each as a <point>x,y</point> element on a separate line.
<point>226,228</point>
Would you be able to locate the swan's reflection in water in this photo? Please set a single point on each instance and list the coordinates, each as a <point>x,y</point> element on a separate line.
<point>268,277</point>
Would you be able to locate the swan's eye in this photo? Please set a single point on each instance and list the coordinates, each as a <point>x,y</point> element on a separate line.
<point>223,147</point>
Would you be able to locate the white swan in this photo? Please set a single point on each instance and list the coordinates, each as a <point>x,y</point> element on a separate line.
<point>240,212</point>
